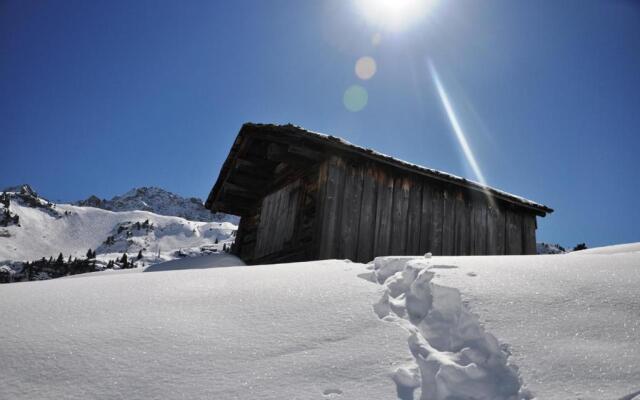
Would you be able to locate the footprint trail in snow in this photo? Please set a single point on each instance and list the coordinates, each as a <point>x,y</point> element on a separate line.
<point>454,357</point>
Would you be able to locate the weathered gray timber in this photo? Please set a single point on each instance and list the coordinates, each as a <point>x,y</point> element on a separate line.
<point>306,196</point>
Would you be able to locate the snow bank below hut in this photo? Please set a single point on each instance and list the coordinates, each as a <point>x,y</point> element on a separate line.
<point>509,327</point>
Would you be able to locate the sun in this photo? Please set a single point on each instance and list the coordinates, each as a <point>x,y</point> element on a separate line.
<point>393,14</point>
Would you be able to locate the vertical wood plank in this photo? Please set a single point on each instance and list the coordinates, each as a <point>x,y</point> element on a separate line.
<point>461,232</point>
<point>331,208</point>
<point>514,232</point>
<point>425,219</point>
<point>366,230</point>
<point>479,229</point>
<point>437,221</point>
<point>347,245</point>
<point>529,233</point>
<point>501,232</point>
<point>448,223</point>
<point>278,219</point>
<point>384,207</point>
<point>492,234</point>
<point>401,193</point>
<point>414,218</point>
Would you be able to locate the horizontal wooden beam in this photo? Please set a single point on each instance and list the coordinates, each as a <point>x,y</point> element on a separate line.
<point>247,180</point>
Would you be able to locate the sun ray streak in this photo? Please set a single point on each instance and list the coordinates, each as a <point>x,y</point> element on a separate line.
<point>458,131</point>
<point>455,124</point>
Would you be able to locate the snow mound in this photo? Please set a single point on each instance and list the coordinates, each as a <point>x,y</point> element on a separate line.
<point>615,249</point>
<point>456,358</point>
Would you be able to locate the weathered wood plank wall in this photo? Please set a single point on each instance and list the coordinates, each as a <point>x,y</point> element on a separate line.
<point>347,209</point>
<point>283,226</point>
<point>368,210</point>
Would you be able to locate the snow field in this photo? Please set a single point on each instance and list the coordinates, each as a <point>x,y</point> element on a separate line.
<point>289,331</point>
<point>570,322</point>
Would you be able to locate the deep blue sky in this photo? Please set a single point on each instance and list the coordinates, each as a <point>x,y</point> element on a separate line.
<point>97,97</point>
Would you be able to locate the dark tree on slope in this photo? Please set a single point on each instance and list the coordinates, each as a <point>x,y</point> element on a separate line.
<point>91,254</point>
<point>139,255</point>
<point>124,261</point>
<point>580,246</point>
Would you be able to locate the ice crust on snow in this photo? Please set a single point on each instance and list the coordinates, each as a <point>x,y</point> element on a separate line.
<point>455,357</point>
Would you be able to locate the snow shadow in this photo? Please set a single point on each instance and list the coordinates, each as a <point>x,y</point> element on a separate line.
<point>203,262</point>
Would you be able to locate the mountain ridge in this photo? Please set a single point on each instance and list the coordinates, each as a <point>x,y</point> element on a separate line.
<point>156,224</point>
<point>158,201</point>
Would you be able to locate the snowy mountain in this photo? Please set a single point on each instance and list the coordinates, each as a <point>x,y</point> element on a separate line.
<point>547,248</point>
<point>32,227</point>
<point>158,201</point>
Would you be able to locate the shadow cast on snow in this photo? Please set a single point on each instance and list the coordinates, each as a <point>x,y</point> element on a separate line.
<point>203,262</point>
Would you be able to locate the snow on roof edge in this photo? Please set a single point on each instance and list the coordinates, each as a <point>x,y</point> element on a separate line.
<point>433,172</point>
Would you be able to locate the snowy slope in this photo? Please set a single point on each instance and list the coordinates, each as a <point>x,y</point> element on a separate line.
<point>571,322</point>
<point>72,230</point>
<point>615,249</point>
<point>159,201</point>
<point>562,327</point>
<point>291,331</point>
<point>548,248</point>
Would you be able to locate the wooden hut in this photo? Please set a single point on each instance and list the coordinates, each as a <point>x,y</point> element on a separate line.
<point>307,196</point>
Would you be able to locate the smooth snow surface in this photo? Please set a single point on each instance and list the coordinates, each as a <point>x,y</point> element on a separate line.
<point>571,323</point>
<point>290,331</point>
<point>563,327</point>
<point>616,249</point>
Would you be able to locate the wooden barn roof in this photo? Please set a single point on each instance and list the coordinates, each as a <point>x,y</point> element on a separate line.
<point>262,152</point>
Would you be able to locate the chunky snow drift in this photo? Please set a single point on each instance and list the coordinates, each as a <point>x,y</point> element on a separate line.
<point>456,358</point>
<point>570,322</point>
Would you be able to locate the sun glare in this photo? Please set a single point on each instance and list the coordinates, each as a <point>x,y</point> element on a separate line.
<point>393,14</point>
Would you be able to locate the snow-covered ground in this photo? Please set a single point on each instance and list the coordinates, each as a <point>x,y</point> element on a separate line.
<point>615,249</point>
<point>498,327</point>
<point>571,323</point>
<point>291,331</point>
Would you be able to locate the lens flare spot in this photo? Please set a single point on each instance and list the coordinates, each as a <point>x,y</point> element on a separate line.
<point>365,68</point>
<point>376,38</point>
<point>355,98</point>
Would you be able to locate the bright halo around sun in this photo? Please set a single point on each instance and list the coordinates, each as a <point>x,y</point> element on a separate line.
<point>394,15</point>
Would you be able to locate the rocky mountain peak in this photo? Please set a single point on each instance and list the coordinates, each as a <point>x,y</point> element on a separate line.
<point>159,201</point>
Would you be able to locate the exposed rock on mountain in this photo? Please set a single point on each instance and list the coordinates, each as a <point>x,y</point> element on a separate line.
<point>158,201</point>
